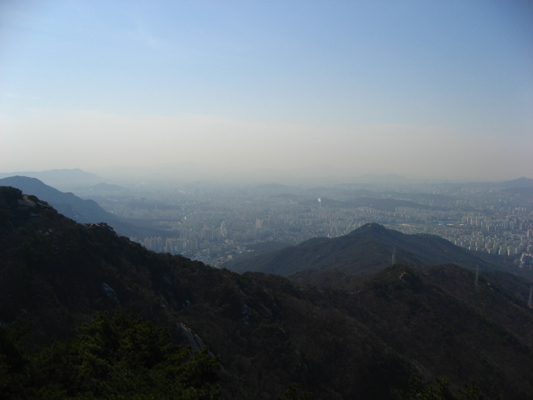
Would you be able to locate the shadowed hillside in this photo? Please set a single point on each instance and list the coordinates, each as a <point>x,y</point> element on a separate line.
<point>78,209</point>
<point>354,341</point>
<point>366,250</point>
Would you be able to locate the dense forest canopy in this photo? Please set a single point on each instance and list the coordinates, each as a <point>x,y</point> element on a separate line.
<point>348,337</point>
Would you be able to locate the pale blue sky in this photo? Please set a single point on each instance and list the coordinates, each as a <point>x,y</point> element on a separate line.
<point>439,89</point>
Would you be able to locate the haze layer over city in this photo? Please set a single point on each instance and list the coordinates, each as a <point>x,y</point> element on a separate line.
<point>218,224</point>
<point>268,91</point>
<point>224,125</point>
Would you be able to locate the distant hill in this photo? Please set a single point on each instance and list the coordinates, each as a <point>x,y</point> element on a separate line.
<point>518,183</point>
<point>60,178</point>
<point>361,338</point>
<point>71,206</point>
<point>67,204</point>
<point>363,251</point>
<point>380,179</point>
<point>522,182</point>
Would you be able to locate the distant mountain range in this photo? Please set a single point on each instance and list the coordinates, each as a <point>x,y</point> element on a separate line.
<point>61,178</point>
<point>364,251</point>
<point>356,338</point>
<point>518,183</point>
<point>68,179</point>
<point>520,187</point>
<point>387,178</point>
<point>80,210</point>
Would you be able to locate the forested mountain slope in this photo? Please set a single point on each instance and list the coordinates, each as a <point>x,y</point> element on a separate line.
<point>76,208</point>
<point>360,340</point>
<point>365,250</point>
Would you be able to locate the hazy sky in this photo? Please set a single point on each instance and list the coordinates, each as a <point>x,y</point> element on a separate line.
<point>438,89</point>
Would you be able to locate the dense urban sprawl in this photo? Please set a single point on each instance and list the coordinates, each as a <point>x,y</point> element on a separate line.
<point>216,224</point>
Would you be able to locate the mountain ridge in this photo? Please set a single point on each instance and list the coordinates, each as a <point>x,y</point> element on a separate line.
<point>62,178</point>
<point>76,208</point>
<point>358,340</point>
<point>367,249</point>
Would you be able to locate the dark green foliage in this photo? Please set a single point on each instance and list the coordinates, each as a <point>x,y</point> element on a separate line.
<point>295,393</point>
<point>121,358</point>
<point>13,361</point>
<point>358,338</point>
<point>440,391</point>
